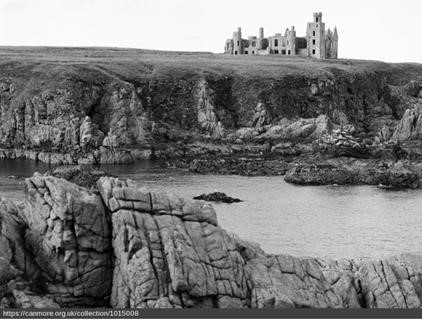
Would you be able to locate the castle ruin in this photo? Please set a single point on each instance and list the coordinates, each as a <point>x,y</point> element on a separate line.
<point>317,44</point>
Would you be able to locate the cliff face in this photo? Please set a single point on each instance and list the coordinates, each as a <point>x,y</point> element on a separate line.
<point>124,246</point>
<point>93,108</point>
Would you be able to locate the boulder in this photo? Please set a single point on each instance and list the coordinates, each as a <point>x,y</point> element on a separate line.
<point>217,197</point>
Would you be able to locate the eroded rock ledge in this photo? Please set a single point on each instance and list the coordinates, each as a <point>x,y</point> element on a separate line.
<point>126,247</point>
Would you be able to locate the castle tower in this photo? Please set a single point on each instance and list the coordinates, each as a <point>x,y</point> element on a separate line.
<point>237,42</point>
<point>261,38</point>
<point>334,45</point>
<point>291,41</point>
<point>315,36</point>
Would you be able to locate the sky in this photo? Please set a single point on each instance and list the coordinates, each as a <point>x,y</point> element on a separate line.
<point>384,30</point>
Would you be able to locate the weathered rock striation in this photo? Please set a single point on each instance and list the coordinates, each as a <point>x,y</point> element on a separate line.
<point>127,247</point>
<point>69,234</point>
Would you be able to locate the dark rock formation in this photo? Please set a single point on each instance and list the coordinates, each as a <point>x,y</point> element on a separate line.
<point>235,165</point>
<point>217,197</point>
<point>344,171</point>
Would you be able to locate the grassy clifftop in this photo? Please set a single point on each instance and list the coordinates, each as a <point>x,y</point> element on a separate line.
<point>132,96</point>
<point>145,64</point>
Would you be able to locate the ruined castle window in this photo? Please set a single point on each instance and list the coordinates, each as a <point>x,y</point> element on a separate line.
<point>314,33</point>
<point>313,42</point>
<point>313,51</point>
<point>289,52</point>
<point>275,43</point>
<point>238,43</point>
<point>235,52</point>
<point>317,19</point>
<point>276,51</point>
<point>254,44</point>
<point>246,51</point>
<point>283,51</point>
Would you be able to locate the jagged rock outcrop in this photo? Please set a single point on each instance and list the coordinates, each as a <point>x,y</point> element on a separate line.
<point>207,117</point>
<point>90,135</point>
<point>169,252</point>
<point>20,284</point>
<point>172,253</point>
<point>69,234</point>
<point>410,126</point>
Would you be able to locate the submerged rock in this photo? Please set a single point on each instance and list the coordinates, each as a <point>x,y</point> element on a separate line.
<point>217,197</point>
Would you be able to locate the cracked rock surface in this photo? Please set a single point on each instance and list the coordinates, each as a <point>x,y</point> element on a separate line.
<point>123,246</point>
<point>68,232</point>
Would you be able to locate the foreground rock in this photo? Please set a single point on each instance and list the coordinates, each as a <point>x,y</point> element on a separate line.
<point>217,197</point>
<point>69,234</point>
<point>172,253</point>
<point>127,247</point>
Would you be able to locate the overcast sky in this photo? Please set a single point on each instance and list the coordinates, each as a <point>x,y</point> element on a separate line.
<point>369,29</point>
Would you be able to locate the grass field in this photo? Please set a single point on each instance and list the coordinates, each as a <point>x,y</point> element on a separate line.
<point>134,63</point>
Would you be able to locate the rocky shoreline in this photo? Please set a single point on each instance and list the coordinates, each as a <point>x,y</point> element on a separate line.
<point>116,244</point>
<point>230,120</point>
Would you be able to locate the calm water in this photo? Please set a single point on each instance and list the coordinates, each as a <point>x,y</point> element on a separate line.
<point>330,221</point>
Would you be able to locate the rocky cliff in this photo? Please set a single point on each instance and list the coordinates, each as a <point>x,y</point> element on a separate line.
<point>121,245</point>
<point>61,105</point>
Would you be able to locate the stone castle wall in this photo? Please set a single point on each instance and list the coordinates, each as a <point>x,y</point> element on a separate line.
<point>318,42</point>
